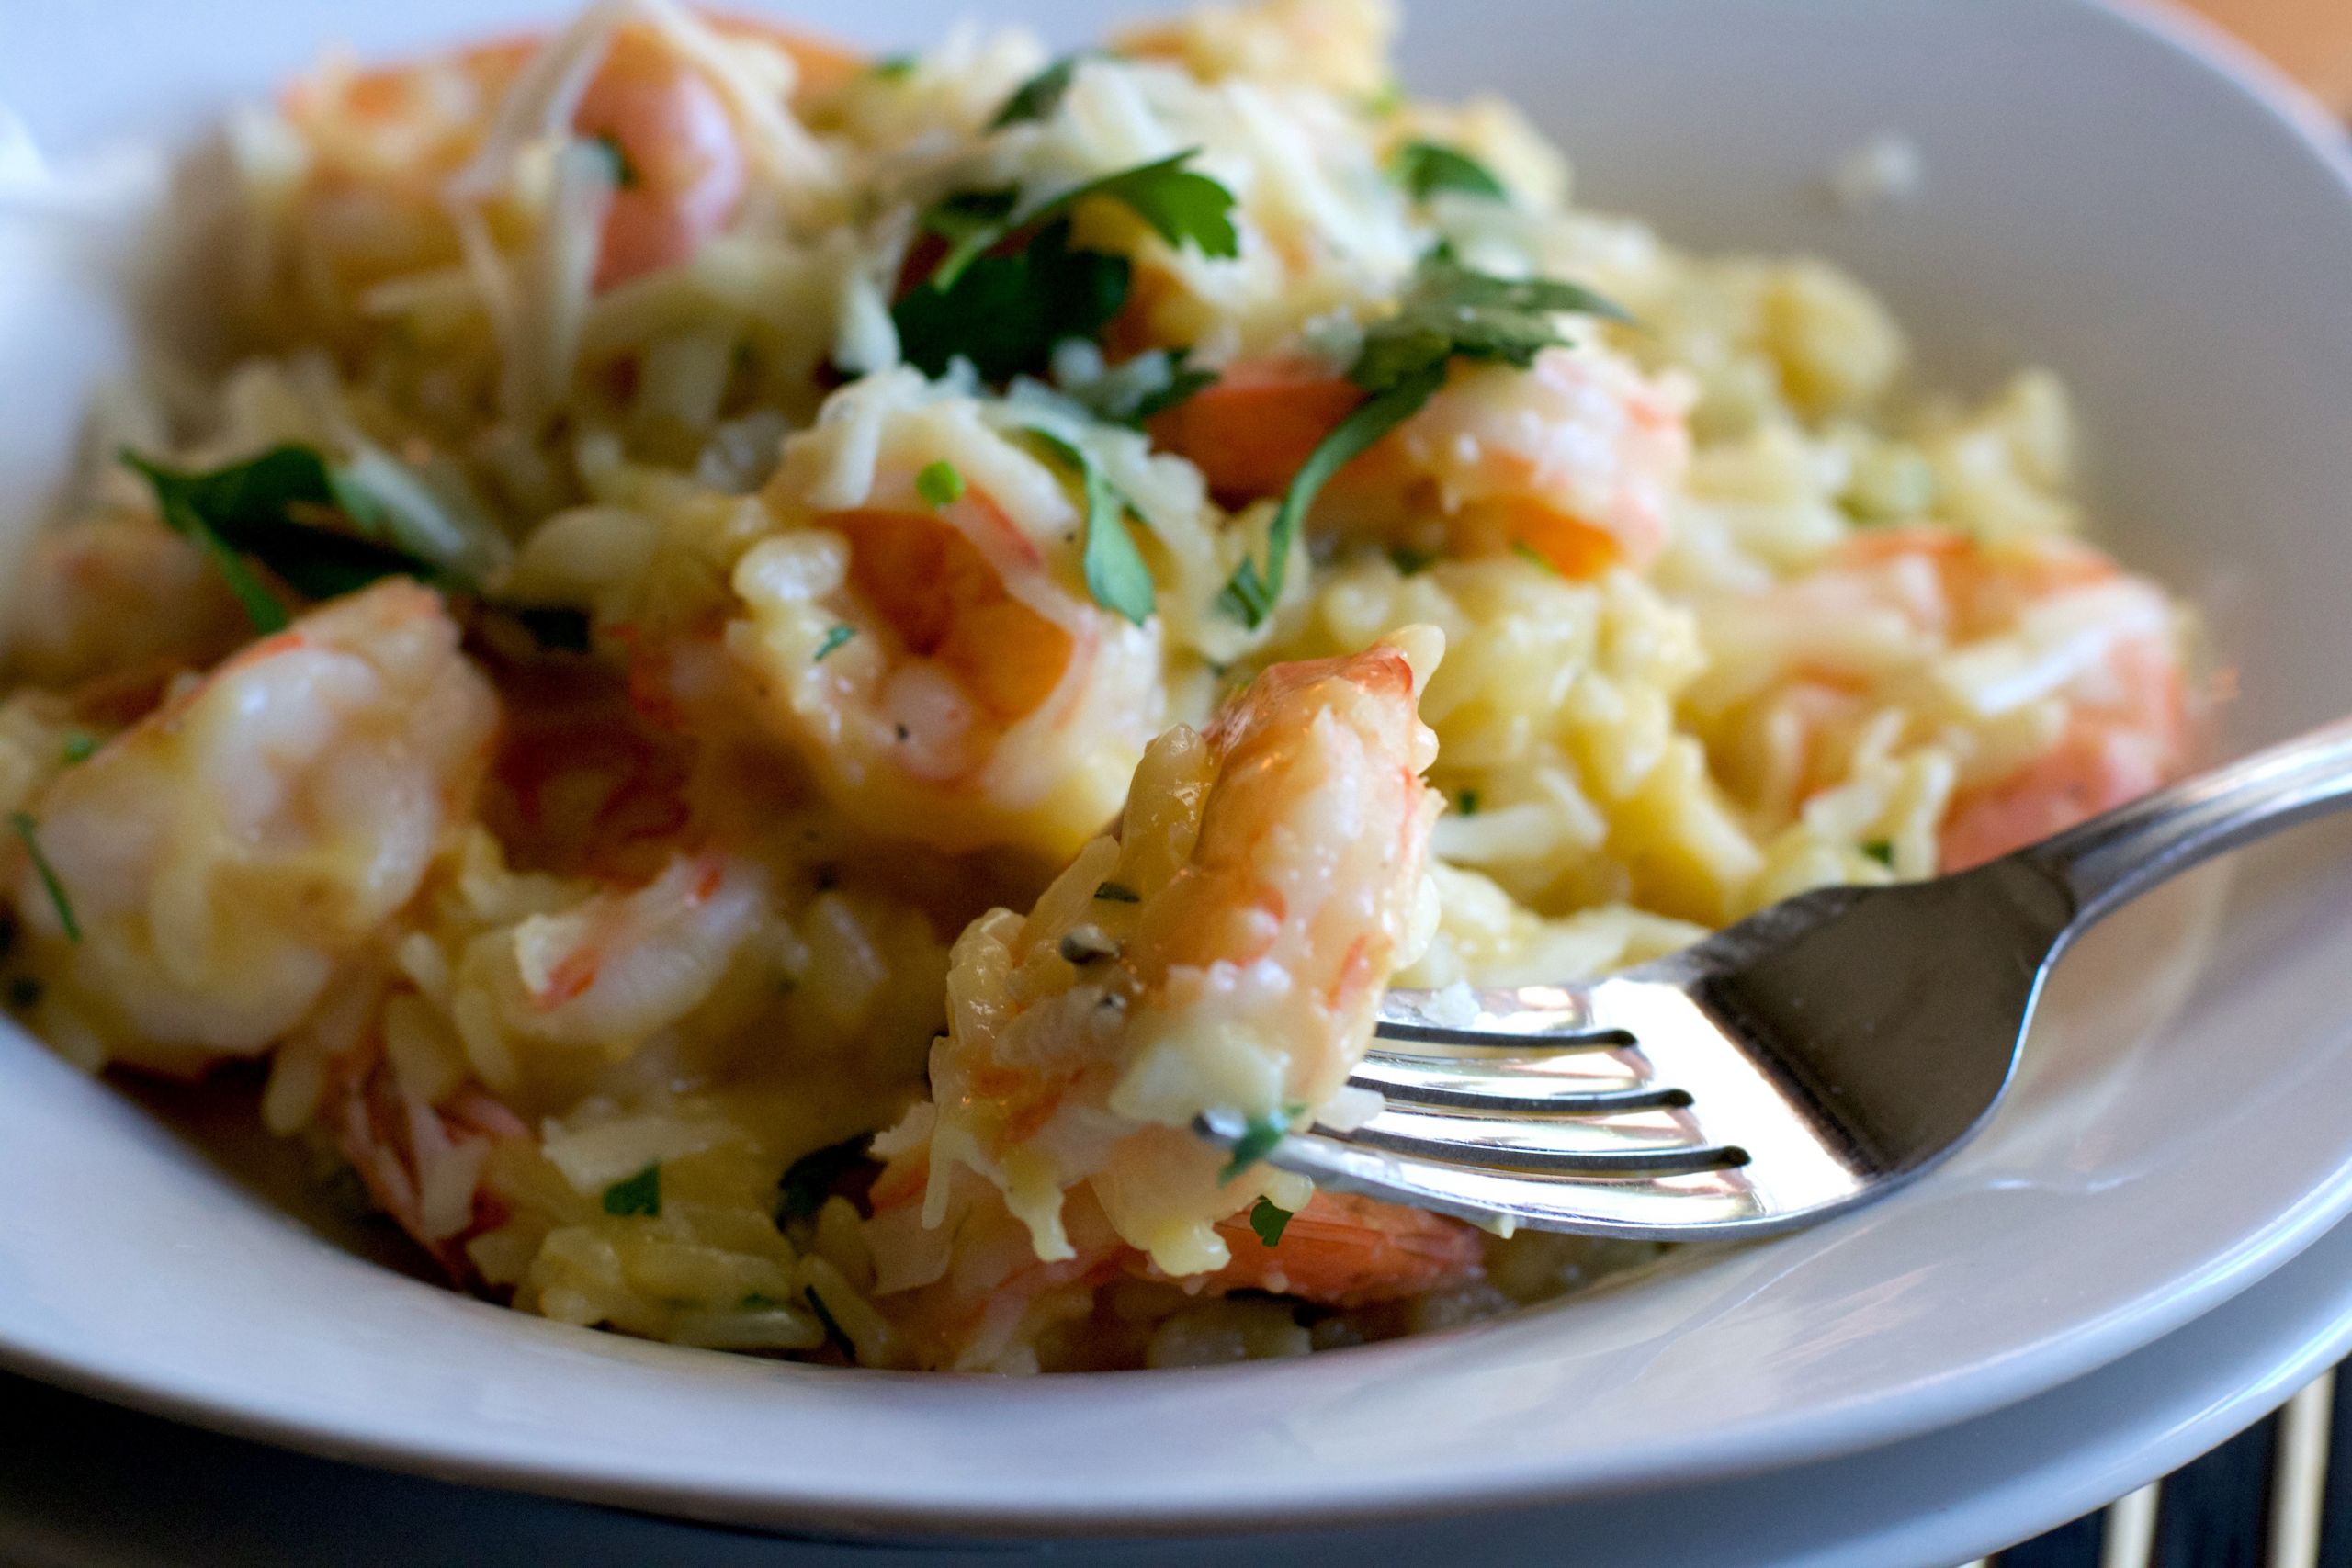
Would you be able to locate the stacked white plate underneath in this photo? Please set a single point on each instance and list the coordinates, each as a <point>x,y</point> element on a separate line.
<point>2127,1264</point>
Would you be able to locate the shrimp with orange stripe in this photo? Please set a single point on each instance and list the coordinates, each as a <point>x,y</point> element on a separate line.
<point>1226,951</point>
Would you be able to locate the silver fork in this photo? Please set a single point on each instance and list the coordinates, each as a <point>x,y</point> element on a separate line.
<point>1811,1058</point>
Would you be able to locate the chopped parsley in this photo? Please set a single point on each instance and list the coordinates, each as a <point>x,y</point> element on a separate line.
<point>833,639</point>
<point>624,174</point>
<point>1411,562</point>
<point>1008,286</point>
<point>1117,892</point>
<point>1526,551</point>
<point>1882,851</point>
<point>940,483</point>
<point>1269,1219</point>
<point>1116,574</point>
<point>1469,802</point>
<point>24,993</point>
<point>282,510</point>
<point>1448,313</point>
<point>805,1185</point>
<point>639,1194</point>
<point>80,746</point>
<point>1425,168</point>
<point>1258,1138</point>
<point>758,1301</point>
<point>29,832</point>
<point>1040,97</point>
<point>895,67</point>
<point>1384,99</point>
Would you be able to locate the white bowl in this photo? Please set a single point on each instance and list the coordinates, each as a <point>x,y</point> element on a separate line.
<point>2162,225</point>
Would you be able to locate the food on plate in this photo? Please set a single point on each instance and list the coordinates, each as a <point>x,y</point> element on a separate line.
<point>744,676</point>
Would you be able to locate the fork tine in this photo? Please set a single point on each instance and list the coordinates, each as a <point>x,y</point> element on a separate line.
<point>1573,1084</point>
<point>1659,1140</point>
<point>1551,1017</point>
<point>1418,1034</point>
<point>1675,1205</point>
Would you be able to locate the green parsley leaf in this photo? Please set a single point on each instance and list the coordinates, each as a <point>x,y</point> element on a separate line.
<point>560,628</point>
<point>1452,313</point>
<point>276,509</point>
<point>1521,548</point>
<point>1005,312</point>
<point>1384,99</point>
<point>1010,288</point>
<point>1469,803</point>
<point>625,175</point>
<point>972,223</point>
<point>79,747</point>
<point>1116,574</point>
<point>1411,562</point>
<point>29,832</point>
<point>1425,168</point>
<point>833,639</point>
<point>1269,1219</point>
<point>895,67</point>
<point>1041,96</point>
<point>1180,205</point>
<point>1448,313</point>
<point>1117,892</point>
<point>1084,945</point>
<point>1250,594</point>
<point>811,1179</point>
<point>1258,1139</point>
<point>1882,851</point>
<point>940,483</point>
<point>639,1194</point>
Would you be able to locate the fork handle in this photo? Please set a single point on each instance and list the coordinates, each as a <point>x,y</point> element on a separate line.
<point>2119,854</point>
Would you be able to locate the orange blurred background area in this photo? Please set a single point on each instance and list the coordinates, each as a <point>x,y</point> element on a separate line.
<point>2312,38</point>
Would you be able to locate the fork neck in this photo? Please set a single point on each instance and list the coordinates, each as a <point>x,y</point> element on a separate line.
<point>2115,857</point>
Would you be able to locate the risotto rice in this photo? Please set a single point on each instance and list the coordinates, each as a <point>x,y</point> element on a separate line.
<point>755,673</point>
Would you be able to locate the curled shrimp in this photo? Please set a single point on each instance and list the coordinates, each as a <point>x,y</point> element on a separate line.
<point>680,171</point>
<point>2055,677</point>
<point>941,664</point>
<point>1224,952</point>
<point>1576,458</point>
<point>222,859</point>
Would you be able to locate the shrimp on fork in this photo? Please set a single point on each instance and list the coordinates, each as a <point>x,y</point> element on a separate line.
<point>1226,950</point>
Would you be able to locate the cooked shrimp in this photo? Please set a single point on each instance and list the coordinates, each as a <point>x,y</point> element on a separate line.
<point>383,141</point>
<point>1225,952</point>
<point>970,1293</point>
<point>613,970</point>
<point>114,592</point>
<point>942,666</point>
<point>1344,1251</point>
<point>1576,458</point>
<point>2065,671</point>
<point>222,858</point>
<point>679,163</point>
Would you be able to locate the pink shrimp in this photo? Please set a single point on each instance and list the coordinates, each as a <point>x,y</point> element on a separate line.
<point>1576,459</point>
<point>679,163</point>
<point>1966,634</point>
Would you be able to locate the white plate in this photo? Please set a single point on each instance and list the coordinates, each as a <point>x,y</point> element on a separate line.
<point>2097,196</point>
<point>1944,1499</point>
